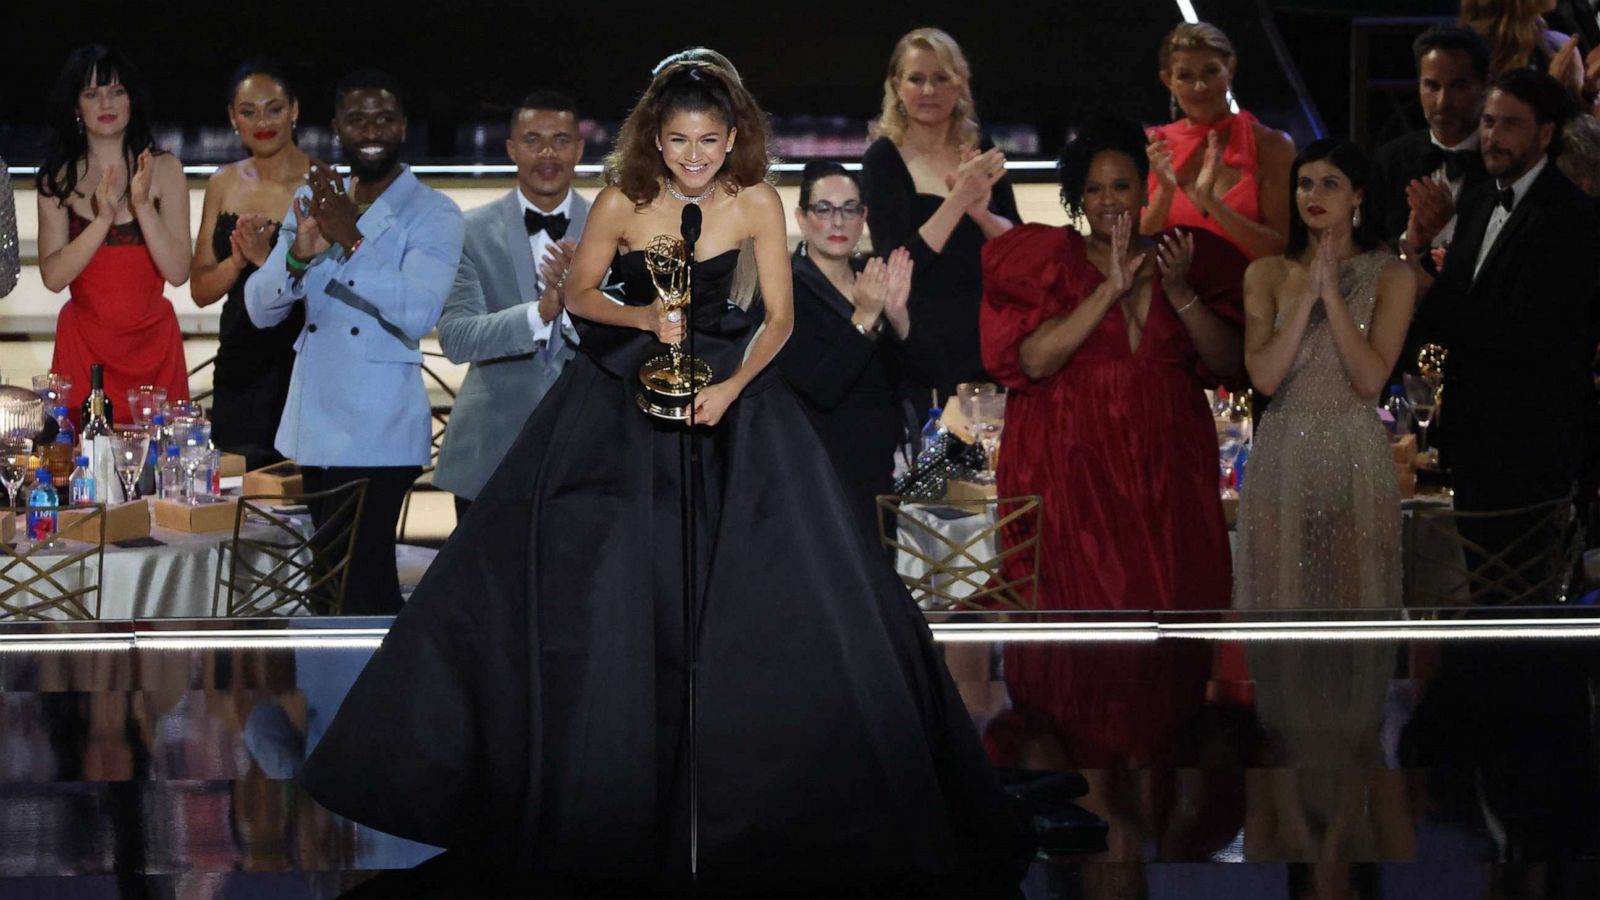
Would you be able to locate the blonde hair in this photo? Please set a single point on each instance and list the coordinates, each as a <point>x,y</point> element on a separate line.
<point>1514,29</point>
<point>1195,36</point>
<point>892,119</point>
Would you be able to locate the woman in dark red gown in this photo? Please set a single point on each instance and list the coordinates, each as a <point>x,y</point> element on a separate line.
<point>1107,345</point>
<point>114,226</point>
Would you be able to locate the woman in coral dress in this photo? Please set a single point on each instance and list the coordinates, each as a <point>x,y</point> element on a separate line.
<point>114,228</point>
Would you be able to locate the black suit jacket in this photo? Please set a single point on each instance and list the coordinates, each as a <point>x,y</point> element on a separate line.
<point>1520,340</point>
<point>1397,164</point>
<point>1575,17</point>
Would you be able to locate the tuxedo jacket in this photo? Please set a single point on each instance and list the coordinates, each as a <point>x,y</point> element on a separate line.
<point>1520,338</point>
<point>485,323</point>
<point>1397,164</point>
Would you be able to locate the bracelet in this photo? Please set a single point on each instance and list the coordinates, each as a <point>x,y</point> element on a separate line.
<point>1185,308</point>
<point>295,266</point>
<point>353,248</point>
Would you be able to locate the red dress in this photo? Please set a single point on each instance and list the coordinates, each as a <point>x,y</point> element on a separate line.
<point>1121,446</point>
<point>118,316</point>
<point>1185,139</point>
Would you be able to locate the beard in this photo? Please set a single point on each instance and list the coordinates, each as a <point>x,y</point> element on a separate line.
<point>372,169</point>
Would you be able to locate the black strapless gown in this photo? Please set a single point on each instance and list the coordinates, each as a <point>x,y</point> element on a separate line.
<point>251,380</point>
<point>528,703</point>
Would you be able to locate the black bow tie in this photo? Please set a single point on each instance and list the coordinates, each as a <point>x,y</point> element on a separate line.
<point>553,225</point>
<point>1455,162</point>
<point>1506,197</point>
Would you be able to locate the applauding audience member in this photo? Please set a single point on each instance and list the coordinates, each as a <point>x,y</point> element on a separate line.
<point>114,227</point>
<point>372,257</point>
<point>852,335</point>
<point>506,313</point>
<point>245,202</point>
<point>1518,35</point>
<point>936,186</point>
<point>1513,305</point>
<point>10,248</point>
<point>1215,169</point>
<point>1422,173</point>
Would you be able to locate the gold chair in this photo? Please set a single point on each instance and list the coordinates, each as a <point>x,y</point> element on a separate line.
<point>36,579</point>
<point>1496,558</point>
<point>957,567</point>
<point>441,421</point>
<point>277,568</point>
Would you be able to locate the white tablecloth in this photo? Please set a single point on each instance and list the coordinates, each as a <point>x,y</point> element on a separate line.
<point>935,538</point>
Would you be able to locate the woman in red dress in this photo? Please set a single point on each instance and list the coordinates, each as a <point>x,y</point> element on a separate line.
<point>1107,345</point>
<point>114,227</point>
<point>1215,169</point>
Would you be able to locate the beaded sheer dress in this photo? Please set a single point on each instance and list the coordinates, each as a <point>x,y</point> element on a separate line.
<point>1319,521</point>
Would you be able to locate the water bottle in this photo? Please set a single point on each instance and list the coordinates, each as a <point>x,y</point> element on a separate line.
<point>216,470</point>
<point>1399,410</point>
<point>170,485</point>
<point>42,521</point>
<point>930,434</point>
<point>68,433</point>
<point>147,475</point>
<point>82,484</point>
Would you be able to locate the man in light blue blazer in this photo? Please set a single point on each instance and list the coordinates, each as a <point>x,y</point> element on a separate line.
<point>505,313</point>
<point>373,258</point>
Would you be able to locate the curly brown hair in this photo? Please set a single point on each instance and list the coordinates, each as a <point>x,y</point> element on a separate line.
<point>689,85</point>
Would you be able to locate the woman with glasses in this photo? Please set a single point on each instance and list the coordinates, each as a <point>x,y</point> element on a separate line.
<point>244,203</point>
<point>852,335</point>
<point>937,188</point>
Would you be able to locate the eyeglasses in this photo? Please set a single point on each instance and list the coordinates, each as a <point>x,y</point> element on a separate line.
<point>825,210</point>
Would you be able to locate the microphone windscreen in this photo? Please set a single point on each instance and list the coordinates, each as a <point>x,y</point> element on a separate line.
<point>691,223</point>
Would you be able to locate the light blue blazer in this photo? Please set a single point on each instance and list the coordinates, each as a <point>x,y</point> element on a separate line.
<point>356,397</point>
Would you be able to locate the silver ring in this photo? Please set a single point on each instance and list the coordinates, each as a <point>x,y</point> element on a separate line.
<point>673,316</point>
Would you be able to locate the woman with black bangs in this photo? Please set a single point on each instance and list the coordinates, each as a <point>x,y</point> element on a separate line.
<point>114,227</point>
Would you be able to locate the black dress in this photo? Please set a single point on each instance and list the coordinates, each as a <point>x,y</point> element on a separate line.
<point>946,287</point>
<point>251,378</point>
<point>528,703</point>
<point>851,384</point>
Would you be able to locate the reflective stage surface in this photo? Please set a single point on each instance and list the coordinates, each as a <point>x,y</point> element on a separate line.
<point>1229,756</point>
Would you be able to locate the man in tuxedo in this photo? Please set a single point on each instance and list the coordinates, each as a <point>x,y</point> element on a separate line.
<point>1513,305</point>
<point>505,314</point>
<point>1434,164</point>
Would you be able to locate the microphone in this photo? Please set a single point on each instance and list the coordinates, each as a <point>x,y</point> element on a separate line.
<point>691,227</point>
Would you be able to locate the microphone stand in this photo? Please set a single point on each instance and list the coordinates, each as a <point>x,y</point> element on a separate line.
<point>689,457</point>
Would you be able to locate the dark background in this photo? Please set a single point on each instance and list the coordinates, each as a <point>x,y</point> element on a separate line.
<point>813,65</point>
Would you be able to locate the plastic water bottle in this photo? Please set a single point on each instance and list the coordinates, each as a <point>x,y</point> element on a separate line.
<point>169,485</point>
<point>216,471</point>
<point>82,484</point>
<point>68,433</point>
<point>930,434</point>
<point>42,521</point>
<point>1399,410</point>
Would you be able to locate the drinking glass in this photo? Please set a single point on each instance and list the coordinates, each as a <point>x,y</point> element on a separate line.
<point>129,447</point>
<point>54,388</point>
<point>14,459</point>
<point>184,409</point>
<point>193,438</point>
<point>987,412</point>
<point>144,402</point>
<point>1423,393</point>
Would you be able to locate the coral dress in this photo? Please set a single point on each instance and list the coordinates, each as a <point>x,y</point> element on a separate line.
<point>117,316</point>
<point>1185,139</point>
<point>1121,446</point>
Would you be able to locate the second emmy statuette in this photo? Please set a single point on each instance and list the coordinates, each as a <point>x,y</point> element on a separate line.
<point>669,381</point>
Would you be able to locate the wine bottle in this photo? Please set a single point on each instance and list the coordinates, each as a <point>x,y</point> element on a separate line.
<point>96,435</point>
<point>97,412</point>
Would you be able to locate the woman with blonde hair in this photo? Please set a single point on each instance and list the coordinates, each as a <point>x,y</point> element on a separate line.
<point>1215,168</point>
<point>936,186</point>
<point>533,705</point>
<point>1516,32</point>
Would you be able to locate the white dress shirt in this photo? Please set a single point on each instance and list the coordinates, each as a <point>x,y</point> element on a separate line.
<point>538,241</point>
<point>1497,219</point>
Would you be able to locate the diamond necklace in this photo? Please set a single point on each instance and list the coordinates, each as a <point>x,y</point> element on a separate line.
<point>673,190</point>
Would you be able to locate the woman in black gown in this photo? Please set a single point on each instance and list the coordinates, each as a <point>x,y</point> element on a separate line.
<point>245,201</point>
<point>935,186</point>
<point>528,706</point>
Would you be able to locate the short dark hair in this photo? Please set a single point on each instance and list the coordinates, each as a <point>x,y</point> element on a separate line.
<point>1347,158</point>
<point>1549,101</point>
<point>1456,38</point>
<point>260,66</point>
<point>369,80</point>
<point>818,169</point>
<point>555,101</point>
<point>1097,132</point>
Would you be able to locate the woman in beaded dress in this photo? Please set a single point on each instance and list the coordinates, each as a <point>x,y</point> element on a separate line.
<point>1319,523</point>
<point>10,252</point>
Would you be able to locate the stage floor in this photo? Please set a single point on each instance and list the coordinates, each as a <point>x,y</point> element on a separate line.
<point>1232,756</point>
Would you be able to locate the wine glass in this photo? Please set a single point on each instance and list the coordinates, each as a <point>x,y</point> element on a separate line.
<point>193,437</point>
<point>14,453</point>
<point>129,447</point>
<point>144,402</point>
<point>53,388</point>
<point>987,412</point>
<point>1423,393</point>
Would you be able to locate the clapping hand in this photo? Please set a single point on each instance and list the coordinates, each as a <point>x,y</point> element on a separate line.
<point>1160,153</point>
<point>335,211</point>
<point>1322,276</point>
<point>872,290</point>
<point>1205,184</point>
<point>1121,271</point>
<point>972,183</point>
<point>1567,68</point>
<point>139,187</point>
<point>104,201</point>
<point>251,240</point>
<point>1432,207</point>
<point>897,296</point>
<point>308,240</point>
<point>1174,256</point>
<point>553,275</point>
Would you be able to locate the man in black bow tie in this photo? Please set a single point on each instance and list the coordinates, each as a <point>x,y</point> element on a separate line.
<point>1421,174</point>
<point>505,314</point>
<point>1513,304</point>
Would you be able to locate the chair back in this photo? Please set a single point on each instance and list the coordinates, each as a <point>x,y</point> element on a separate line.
<point>973,554</point>
<point>1523,556</point>
<point>55,580</point>
<point>277,565</point>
